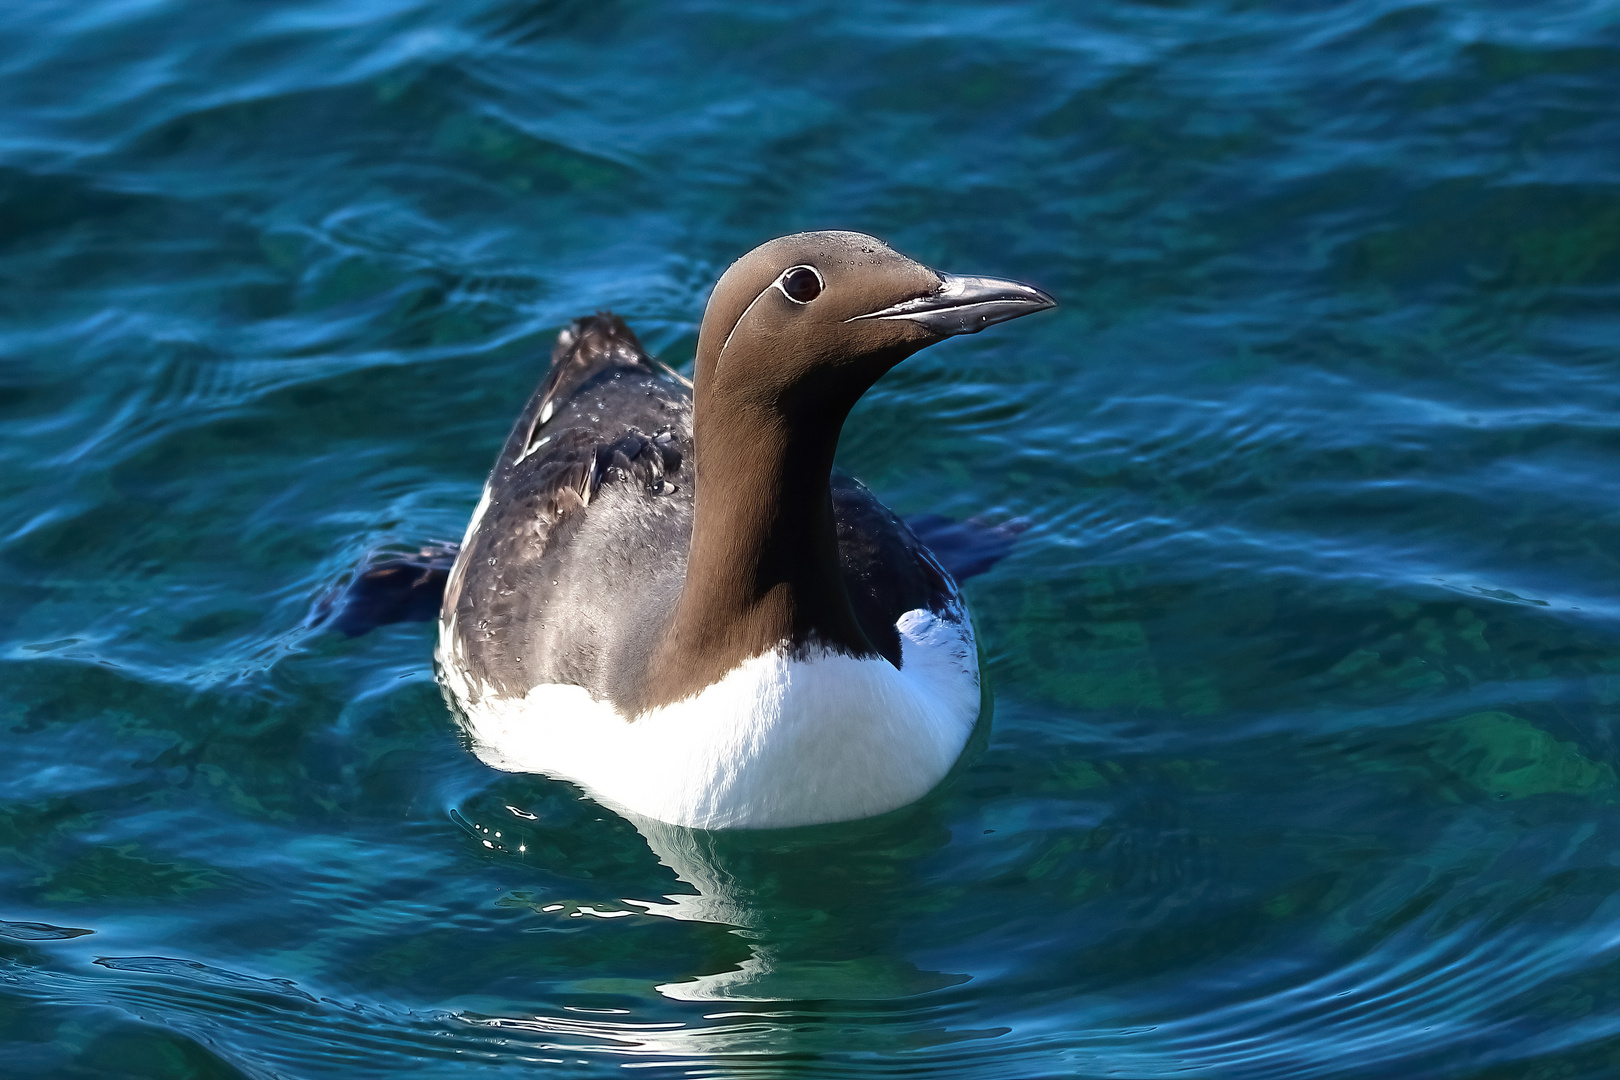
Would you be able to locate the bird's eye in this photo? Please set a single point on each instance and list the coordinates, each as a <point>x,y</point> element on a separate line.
<point>801,284</point>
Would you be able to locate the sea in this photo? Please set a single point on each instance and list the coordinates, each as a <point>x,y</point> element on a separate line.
<point>1303,674</point>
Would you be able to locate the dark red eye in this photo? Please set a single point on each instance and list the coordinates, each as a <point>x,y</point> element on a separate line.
<point>802,283</point>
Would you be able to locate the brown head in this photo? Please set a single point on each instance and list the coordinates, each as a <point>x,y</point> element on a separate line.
<point>802,326</point>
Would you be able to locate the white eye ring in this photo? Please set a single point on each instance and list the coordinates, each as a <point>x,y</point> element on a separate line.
<point>779,286</point>
<point>781,279</point>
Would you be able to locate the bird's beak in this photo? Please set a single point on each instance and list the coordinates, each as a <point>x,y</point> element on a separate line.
<point>966,305</point>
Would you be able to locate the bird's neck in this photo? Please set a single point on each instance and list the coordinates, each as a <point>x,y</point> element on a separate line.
<point>763,569</point>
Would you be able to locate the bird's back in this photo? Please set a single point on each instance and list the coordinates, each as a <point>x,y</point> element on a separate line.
<point>577,553</point>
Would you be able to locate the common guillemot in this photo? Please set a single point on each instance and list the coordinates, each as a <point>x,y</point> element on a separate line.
<point>671,598</point>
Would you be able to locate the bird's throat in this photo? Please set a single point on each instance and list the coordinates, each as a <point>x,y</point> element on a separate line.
<point>763,568</point>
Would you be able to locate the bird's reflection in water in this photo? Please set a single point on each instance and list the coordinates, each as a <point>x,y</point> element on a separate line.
<point>829,916</point>
<point>821,907</point>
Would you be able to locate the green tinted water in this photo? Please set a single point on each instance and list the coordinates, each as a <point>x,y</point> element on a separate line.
<point>1305,675</point>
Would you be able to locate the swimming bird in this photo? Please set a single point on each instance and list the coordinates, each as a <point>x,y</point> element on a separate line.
<point>669,595</point>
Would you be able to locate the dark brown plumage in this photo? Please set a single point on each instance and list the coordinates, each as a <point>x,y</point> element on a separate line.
<point>641,544</point>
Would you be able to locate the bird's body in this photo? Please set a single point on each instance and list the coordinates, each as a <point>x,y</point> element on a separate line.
<point>681,606</point>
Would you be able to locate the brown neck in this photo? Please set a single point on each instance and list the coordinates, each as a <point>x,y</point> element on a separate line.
<point>763,567</point>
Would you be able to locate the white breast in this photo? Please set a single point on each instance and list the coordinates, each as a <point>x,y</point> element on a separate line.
<point>777,742</point>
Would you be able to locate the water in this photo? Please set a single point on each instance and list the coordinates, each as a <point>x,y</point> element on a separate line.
<point>1306,673</point>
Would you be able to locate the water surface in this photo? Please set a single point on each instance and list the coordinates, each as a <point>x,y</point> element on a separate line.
<point>1306,673</point>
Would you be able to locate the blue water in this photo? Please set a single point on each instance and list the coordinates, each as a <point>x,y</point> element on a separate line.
<point>1306,673</point>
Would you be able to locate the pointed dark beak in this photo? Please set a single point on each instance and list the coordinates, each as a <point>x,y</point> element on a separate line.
<point>966,305</point>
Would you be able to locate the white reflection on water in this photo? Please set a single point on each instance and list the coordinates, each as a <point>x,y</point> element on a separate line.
<point>777,970</point>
